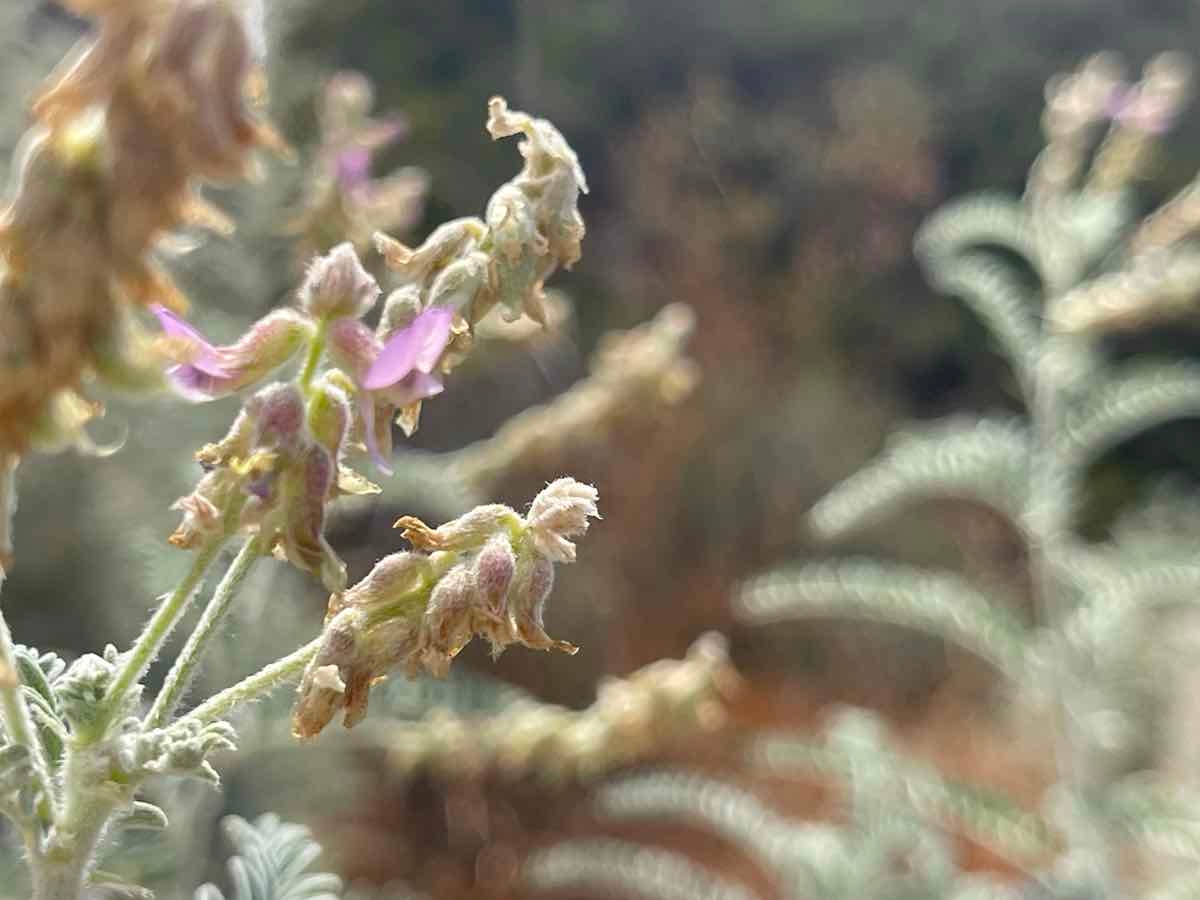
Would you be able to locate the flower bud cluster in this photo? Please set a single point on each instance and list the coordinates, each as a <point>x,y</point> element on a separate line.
<point>467,266</point>
<point>344,202</point>
<point>1076,193</point>
<point>152,104</point>
<point>1079,104</point>
<point>487,573</point>
<point>663,704</point>
<point>635,375</point>
<point>426,326</point>
<point>273,475</point>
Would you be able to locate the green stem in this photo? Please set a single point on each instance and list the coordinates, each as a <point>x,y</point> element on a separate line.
<point>261,683</point>
<point>155,634</point>
<point>316,349</point>
<point>14,711</point>
<point>61,872</point>
<point>189,658</point>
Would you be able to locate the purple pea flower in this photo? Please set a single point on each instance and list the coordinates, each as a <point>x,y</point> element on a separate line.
<point>204,371</point>
<point>397,372</point>
<point>205,375</point>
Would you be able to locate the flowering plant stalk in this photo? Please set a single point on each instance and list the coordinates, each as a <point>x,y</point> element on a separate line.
<point>178,82</point>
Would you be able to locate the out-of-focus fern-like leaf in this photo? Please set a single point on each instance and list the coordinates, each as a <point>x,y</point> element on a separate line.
<point>112,886</point>
<point>1181,887</point>
<point>1134,589</point>
<point>938,603</point>
<point>984,461</point>
<point>617,869</point>
<point>982,816</point>
<point>980,888</point>
<point>998,297</point>
<point>270,863</point>
<point>1159,817</point>
<point>1127,405</point>
<point>977,222</point>
<point>722,808</point>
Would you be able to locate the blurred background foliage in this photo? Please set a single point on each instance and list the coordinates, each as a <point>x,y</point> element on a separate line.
<point>765,162</point>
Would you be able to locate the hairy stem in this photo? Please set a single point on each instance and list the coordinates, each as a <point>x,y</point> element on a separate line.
<point>14,711</point>
<point>316,349</point>
<point>61,872</point>
<point>156,632</point>
<point>261,683</point>
<point>190,656</point>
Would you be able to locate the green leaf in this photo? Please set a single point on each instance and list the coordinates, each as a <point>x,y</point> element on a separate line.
<point>984,461</point>
<point>937,603</point>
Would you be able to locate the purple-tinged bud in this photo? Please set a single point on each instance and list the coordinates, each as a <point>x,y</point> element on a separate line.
<point>353,347</point>
<point>559,512</point>
<point>448,623</point>
<point>294,527</point>
<point>338,286</point>
<point>388,582</point>
<point>352,657</point>
<point>493,571</point>
<point>278,415</point>
<point>532,584</point>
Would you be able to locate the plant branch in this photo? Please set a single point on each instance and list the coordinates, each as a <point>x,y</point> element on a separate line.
<point>184,667</point>
<point>261,683</point>
<point>156,632</point>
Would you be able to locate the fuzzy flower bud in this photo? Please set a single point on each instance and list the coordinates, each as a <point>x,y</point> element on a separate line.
<point>494,569</point>
<point>532,584</point>
<point>399,309</point>
<point>446,243</point>
<point>448,623</point>
<point>552,178</point>
<point>559,512</point>
<point>466,532</point>
<point>337,285</point>
<point>329,414</point>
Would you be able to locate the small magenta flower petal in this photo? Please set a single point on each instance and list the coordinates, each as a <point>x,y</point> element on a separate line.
<point>206,359</point>
<point>195,385</point>
<point>366,410</point>
<point>436,321</point>
<point>415,386</point>
<point>353,167</point>
<point>417,346</point>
